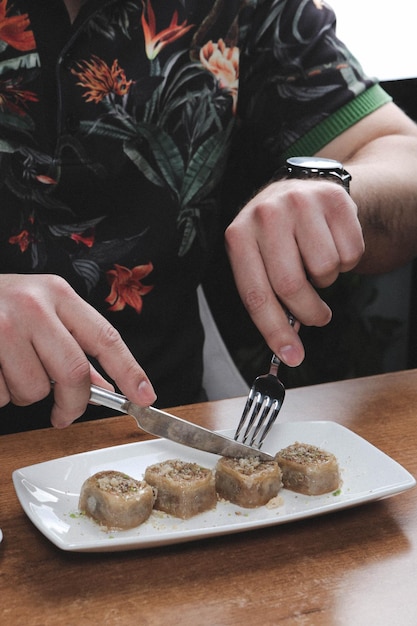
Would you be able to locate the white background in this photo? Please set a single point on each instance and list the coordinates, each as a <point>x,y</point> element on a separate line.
<point>381,34</point>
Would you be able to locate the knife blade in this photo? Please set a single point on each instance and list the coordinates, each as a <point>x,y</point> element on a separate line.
<point>162,424</point>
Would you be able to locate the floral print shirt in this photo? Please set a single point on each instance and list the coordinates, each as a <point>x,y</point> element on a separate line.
<point>117,131</point>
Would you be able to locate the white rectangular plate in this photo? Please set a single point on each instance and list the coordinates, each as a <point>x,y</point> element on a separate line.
<point>49,492</point>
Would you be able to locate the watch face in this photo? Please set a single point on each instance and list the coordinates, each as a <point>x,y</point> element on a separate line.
<point>314,163</point>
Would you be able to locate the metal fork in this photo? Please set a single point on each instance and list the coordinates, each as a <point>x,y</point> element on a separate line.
<point>263,405</point>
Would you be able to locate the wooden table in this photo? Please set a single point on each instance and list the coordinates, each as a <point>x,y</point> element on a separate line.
<point>355,567</point>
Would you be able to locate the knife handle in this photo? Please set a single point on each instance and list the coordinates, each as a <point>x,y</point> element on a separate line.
<point>110,399</point>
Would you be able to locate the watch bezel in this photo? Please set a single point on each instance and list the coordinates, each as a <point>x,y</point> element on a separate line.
<point>318,167</point>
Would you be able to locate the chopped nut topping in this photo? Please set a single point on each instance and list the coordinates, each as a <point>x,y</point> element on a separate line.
<point>119,483</point>
<point>249,465</point>
<point>180,470</point>
<point>304,453</point>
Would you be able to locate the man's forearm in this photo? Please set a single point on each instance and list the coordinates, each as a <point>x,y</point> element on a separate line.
<point>380,152</point>
<point>384,187</point>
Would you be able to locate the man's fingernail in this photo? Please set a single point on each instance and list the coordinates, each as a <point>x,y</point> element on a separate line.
<point>290,355</point>
<point>147,392</point>
<point>60,424</point>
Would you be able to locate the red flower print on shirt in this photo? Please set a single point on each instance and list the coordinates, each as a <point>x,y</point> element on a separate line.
<point>13,29</point>
<point>23,240</point>
<point>155,42</point>
<point>14,99</point>
<point>100,80</point>
<point>127,287</point>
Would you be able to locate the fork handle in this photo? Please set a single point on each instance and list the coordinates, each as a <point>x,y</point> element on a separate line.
<point>275,362</point>
<point>291,318</point>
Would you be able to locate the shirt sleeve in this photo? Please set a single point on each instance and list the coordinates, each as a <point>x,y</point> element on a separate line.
<point>300,87</point>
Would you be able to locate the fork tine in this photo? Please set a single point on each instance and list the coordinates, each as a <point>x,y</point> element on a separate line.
<point>258,416</point>
<point>267,404</point>
<point>260,405</point>
<point>256,408</point>
<point>275,410</point>
<point>249,403</point>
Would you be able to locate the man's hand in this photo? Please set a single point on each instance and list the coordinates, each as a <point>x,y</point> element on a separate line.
<point>46,330</point>
<point>291,237</point>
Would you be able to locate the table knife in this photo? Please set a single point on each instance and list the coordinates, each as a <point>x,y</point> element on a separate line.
<point>162,424</point>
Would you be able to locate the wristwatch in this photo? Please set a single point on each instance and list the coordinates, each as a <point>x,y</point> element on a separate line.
<point>314,167</point>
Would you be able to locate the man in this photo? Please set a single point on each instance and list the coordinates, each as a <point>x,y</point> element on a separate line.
<point>117,118</point>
